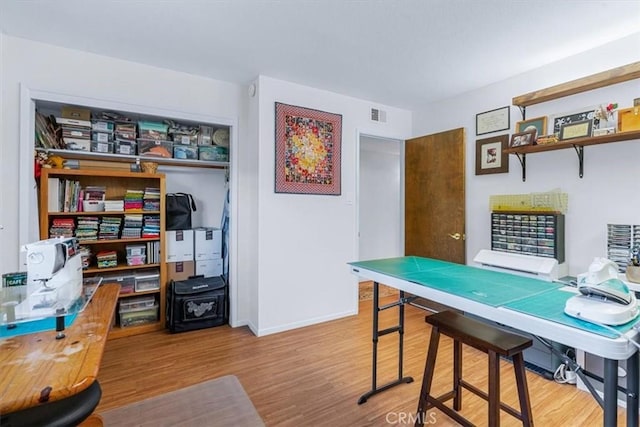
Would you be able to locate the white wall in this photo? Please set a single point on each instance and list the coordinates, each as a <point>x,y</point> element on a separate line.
<point>607,193</point>
<point>40,66</point>
<point>306,241</point>
<point>379,199</point>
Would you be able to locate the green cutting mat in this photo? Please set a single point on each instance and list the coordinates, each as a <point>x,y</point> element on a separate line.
<point>484,286</point>
<point>493,288</point>
<point>399,267</point>
<point>550,306</point>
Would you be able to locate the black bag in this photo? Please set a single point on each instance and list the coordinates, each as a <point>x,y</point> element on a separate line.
<point>196,303</point>
<point>178,208</point>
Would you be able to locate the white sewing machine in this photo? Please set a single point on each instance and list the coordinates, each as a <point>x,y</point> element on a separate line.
<point>54,276</point>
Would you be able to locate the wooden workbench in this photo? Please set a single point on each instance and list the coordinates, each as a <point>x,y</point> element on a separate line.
<point>37,367</point>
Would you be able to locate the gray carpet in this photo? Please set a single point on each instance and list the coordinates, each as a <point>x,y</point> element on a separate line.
<point>221,402</point>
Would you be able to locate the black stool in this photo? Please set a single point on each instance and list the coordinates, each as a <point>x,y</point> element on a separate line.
<point>70,411</point>
<point>493,341</point>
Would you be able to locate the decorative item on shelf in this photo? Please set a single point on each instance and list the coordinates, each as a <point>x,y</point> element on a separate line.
<point>490,155</point>
<point>585,113</point>
<point>149,167</point>
<point>629,119</point>
<point>581,129</point>
<point>547,139</point>
<point>605,119</point>
<point>538,123</point>
<point>523,138</point>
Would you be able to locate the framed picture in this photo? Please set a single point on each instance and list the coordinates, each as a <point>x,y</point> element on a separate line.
<point>580,129</point>
<point>308,148</point>
<point>586,113</point>
<point>493,120</point>
<point>539,124</point>
<point>523,138</point>
<point>490,155</point>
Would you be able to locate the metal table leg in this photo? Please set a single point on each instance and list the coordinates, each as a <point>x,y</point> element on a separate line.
<point>632,389</point>
<point>610,393</point>
<point>376,334</point>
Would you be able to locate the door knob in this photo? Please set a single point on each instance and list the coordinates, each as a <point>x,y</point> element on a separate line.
<point>455,236</point>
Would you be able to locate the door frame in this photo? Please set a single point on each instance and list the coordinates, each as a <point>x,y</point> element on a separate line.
<point>377,135</point>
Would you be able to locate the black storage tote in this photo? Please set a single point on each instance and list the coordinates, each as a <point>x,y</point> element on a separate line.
<point>196,303</point>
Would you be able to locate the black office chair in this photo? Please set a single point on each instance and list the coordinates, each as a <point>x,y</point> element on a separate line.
<point>67,412</point>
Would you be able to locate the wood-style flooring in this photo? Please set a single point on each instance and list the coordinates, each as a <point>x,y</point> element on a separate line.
<point>313,376</point>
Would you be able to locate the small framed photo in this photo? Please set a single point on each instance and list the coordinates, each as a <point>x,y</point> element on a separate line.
<point>538,123</point>
<point>490,155</point>
<point>521,139</point>
<point>581,129</point>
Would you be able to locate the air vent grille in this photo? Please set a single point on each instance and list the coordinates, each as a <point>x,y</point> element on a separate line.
<point>378,115</point>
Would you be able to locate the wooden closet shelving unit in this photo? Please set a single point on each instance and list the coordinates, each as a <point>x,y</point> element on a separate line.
<point>116,183</point>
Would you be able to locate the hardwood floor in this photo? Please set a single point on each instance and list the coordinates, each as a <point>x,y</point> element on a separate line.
<point>314,375</point>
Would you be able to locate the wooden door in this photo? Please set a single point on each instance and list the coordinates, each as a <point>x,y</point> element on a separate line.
<point>434,196</point>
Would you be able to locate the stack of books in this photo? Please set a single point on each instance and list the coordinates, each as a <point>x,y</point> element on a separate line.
<point>107,259</point>
<point>109,228</point>
<point>87,228</point>
<point>133,200</point>
<point>151,199</point>
<point>132,226</point>
<point>151,227</point>
<point>62,227</point>
<point>114,205</point>
<point>76,133</point>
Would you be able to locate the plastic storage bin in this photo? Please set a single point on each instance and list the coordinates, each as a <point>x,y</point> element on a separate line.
<point>154,148</point>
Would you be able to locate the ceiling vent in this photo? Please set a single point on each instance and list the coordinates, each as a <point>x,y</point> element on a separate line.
<point>378,115</point>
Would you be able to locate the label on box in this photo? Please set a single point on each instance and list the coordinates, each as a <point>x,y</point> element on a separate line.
<point>102,147</point>
<point>208,235</point>
<point>179,267</point>
<point>125,149</point>
<point>102,137</point>
<point>179,236</point>
<point>185,140</point>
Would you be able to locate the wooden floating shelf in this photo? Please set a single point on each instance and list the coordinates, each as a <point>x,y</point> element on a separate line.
<point>578,142</point>
<point>595,81</point>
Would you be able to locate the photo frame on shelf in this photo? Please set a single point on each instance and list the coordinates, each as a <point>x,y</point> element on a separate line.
<point>490,155</point>
<point>585,113</point>
<point>493,120</point>
<point>307,150</point>
<point>581,129</point>
<point>521,139</point>
<point>537,123</point>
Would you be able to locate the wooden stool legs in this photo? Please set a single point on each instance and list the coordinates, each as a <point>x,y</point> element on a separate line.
<point>492,341</point>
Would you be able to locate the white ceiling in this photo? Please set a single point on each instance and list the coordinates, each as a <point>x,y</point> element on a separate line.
<point>403,53</point>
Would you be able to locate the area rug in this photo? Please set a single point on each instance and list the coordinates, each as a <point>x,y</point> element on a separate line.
<point>221,402</point>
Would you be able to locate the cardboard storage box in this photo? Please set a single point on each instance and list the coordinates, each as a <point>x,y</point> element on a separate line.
<point>179,245</point>
<point>180,270</point>
<point>208,243</point>
<point>209,268</point>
